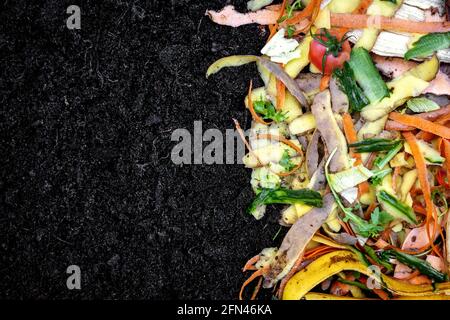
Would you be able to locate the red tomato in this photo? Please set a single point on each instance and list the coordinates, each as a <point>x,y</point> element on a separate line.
<point>338,51</point>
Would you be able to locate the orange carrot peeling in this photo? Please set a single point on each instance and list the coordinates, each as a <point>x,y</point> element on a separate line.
<point>244,140</point>
<point>315,253</point>
<point>281,94</point>
<point>369,210</point>
<point>413,274</point>
<point>273,28</point>
<point>427,136</point>
<point>381,293</point>
<point>440,116</point>
<point>324,82</point>
<point>255,115</point>
<point>424,183</point>
<point>362,21</point>
<point>309,15</point>
<point>350,134</point>
<point>346,227</point>
<point>250,263</point>
<point>419,209</point>
<point>255,275</point>
<point>305,13</point>
<point>362,7</point>
<point>257,288</point>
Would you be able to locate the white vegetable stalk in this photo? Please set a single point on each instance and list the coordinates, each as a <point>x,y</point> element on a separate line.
<point>350,195</point>
<point>427,4</point>
<point>349,178</point>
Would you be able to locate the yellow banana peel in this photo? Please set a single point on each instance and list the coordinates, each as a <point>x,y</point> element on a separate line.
<point>330,264</point>
<point>324,296</point>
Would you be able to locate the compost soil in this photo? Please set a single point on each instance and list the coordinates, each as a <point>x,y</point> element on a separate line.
<point>86,172</point>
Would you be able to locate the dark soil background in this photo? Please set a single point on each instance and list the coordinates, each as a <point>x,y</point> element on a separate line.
<point>86,175</point>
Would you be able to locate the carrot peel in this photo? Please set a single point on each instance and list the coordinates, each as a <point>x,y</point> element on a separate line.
<point>361,21</point>
<point>255,275</point>
<point>250,263</point>
<point>281,94</point>
<point>421,124</point>
<point>255,115</point>
<point>424,183</point>
<point>350,134</point>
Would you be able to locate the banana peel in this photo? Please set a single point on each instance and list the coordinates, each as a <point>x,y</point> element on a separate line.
<point>330,264</point>
<point>295,66</point>
<point>231,61</point>
<point>326,241</point>
<point>402,89</point>
<point>324,296</point>
<point>426,71</point>
<point>410,84</point>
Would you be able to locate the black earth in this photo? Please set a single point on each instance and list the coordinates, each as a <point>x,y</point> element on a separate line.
<point>85,137</point>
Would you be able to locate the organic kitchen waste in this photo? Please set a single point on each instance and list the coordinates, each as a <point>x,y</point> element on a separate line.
<point>350,138</point>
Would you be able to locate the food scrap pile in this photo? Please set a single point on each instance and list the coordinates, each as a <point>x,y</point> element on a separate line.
<point>351,135</point>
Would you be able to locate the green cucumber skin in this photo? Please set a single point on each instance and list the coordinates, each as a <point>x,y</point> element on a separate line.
<point>434,161</point>
<point>430,154</point>
<point>396,208</point>
<point>421,265</point>
<point>428,44</point>
<point>389,156</point>
<point>369,142</point>
<point>375,145</point>
<point>367,75</point>
<point>286,196</point>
